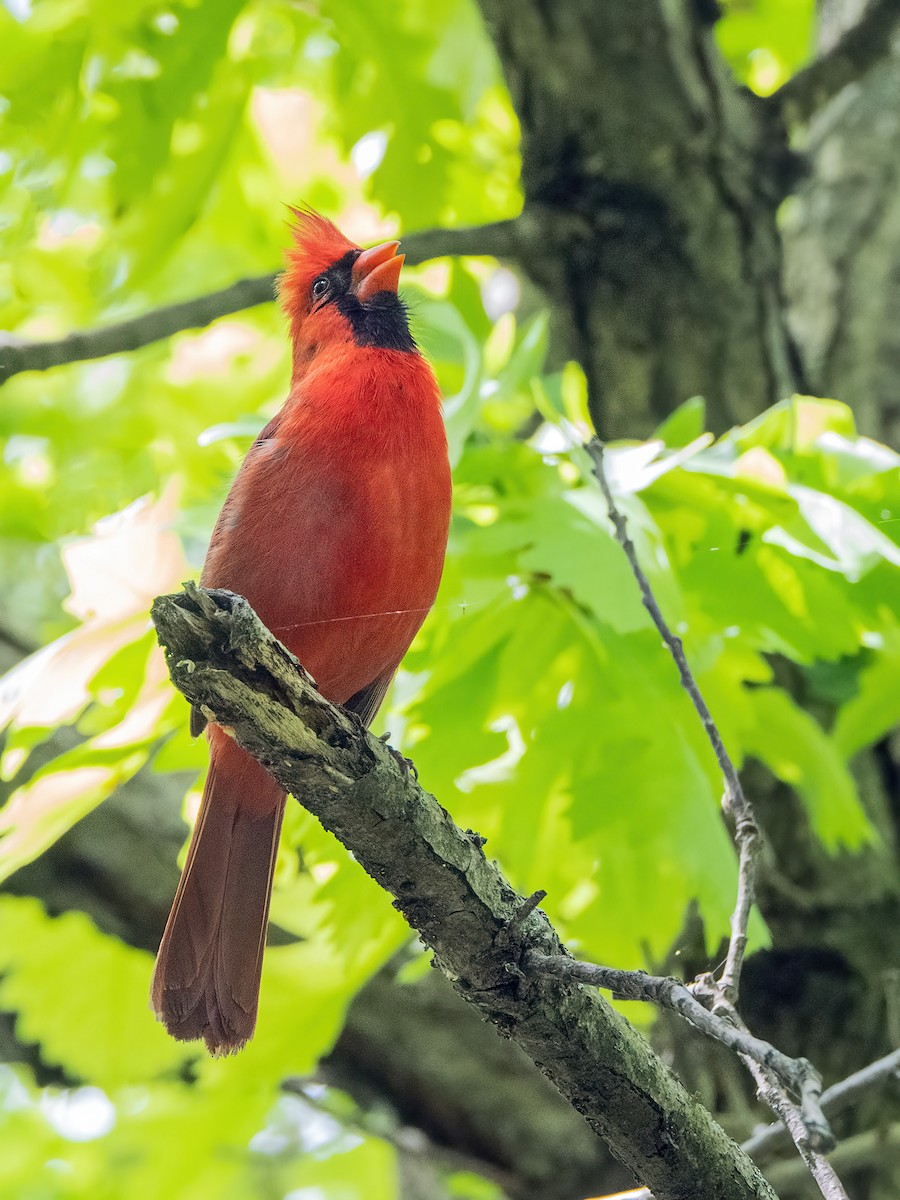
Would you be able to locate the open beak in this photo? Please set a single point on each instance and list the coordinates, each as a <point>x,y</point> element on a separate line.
<point>376,270</point>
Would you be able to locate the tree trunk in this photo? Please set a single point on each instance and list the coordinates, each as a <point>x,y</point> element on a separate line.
<point>842,238</point>
<point>651,189</point>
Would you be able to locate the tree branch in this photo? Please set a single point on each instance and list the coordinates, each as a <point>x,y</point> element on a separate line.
<point>735,802</point>
<point>18,354</point>
<point>795,1074</point>
<point>221,656</point>
<point>772,1093</point>
<point>809,1136</point>
<point>834,1100</point>
<point>872,1148</point>
<point>861,47</point>
<point>791,1175</point>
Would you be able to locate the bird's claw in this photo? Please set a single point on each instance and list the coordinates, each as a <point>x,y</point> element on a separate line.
<point>406,765</point>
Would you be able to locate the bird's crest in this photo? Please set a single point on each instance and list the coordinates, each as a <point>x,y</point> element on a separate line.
<point>318,244</point>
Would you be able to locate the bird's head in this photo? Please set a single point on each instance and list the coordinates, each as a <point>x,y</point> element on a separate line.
<point>335,292</point>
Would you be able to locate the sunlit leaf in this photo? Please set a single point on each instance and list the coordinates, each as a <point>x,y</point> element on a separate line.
<point>81,995</point>
<point>798,751</point>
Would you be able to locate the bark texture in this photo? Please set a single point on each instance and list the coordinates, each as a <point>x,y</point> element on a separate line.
<point>651,188</point>
<point>222,658</point>
<point>842,235</point>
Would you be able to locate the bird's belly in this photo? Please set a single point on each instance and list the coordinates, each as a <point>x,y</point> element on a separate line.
<point>343,568</point>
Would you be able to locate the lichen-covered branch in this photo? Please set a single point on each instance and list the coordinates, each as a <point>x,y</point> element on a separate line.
<point>795,1074</point>
<point>220,656</point>
<point>18,354</point>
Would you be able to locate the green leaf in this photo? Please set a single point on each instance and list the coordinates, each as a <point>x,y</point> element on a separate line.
<point>798,751</point>
<point>83,996</point>
<point>850,544</point>
<point>685,424</point>
<point>766,40</point>
<point>449,339</point>
<point>874,710</point>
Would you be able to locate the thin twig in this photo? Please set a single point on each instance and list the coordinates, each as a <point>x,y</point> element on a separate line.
<point>875,1147</point>
<point>861,47</point>
<point>834,1100</point>
<point>796,1075</point>
<point>771,1093</point>
<point>518,919</point>
<point>18,354</point>
<point>806,1123</point>
<point>735,802</point>
<point>842,1094</point>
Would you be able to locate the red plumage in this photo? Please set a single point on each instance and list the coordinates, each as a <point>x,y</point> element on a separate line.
<point>335,530</point>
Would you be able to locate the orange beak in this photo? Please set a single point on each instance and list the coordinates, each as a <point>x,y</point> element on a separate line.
<point>376,270</point>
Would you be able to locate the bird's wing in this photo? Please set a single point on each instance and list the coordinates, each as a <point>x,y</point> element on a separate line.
<point>367,700</point>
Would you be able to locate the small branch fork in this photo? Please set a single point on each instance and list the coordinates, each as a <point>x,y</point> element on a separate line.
<point>710,1004</point>
<point>861,1148</point>
<point>761,1145</point>
<point>796,1075</point>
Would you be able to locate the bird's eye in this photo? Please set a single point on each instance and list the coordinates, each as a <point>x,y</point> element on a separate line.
<point>320,287</point>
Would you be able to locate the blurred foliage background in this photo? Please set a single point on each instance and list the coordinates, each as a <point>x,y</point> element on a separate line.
<point>145,155</point>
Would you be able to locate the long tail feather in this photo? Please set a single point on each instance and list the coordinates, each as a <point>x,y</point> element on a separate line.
<point>207,975</point>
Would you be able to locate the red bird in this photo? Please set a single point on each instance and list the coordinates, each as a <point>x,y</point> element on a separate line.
<point>335,530</point>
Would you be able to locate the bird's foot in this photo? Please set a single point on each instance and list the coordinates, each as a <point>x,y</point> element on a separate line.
<point>406,765</point>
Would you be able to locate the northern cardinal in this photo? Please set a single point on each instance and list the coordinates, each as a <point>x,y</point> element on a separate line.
<point>335,530</point>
